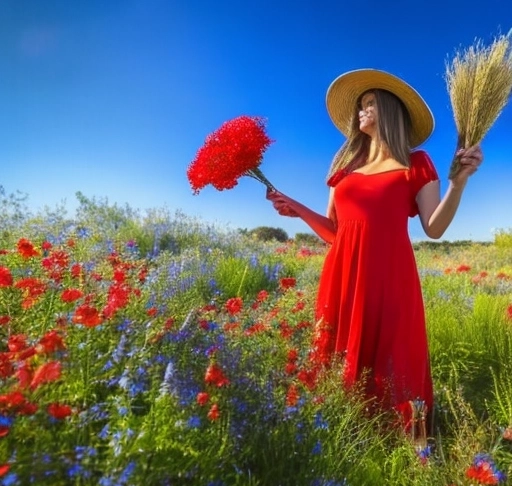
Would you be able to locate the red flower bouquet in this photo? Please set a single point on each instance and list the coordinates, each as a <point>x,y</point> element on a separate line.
<point>232,151</point>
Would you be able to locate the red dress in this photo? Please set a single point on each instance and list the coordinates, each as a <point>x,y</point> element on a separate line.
<point>369,295</point>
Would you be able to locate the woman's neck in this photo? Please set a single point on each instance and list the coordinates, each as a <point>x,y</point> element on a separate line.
<point>378,152</point>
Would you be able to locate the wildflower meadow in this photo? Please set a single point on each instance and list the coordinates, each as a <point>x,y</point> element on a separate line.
<point>157,349</point>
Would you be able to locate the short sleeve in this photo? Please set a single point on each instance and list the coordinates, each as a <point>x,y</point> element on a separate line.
<point>422,171</point>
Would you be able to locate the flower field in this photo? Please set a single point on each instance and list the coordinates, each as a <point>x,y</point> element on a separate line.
<point>161,350</point>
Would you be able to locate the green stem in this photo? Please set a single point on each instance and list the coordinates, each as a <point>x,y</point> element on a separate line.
<point>258,175</point>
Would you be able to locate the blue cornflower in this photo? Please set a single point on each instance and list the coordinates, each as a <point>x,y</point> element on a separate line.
<point>317,448</point>
<point>194,422</point>
<point>10,479</point>
<point>320,422</point>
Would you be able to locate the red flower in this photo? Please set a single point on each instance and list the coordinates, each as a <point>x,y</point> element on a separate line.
<point>262,296</point>
<point>12,401</point>
<point>87,315</point>
<point>52,341</point>
<point>152,312</point>
<point>308,378</point>
<point>290,368</point>
<point>70,295</point>
<point>202,398</point>
<point>293,355</point>
<point>509,312</point>
<point>24,375</point>
<point>255,329</point>
<point>292,396</point>
<point>76,270</point>
<point>6,366</point>
<point>234,305</point>
<point>17,343</point>
<point>233,150</point>
<point>46,373</point>
<point>4,320</point>
<point>5,277</point>
<point>287,283</point>
<point>215,376</point>
<point>214,413</point>
<point>463,268</point>
<point>507,433</point>
<point>26,248</point>
<point>59,411</point>
<point>32,288</point>
<point>4,469</point>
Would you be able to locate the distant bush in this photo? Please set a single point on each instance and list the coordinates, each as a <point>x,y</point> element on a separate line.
<point>267,233</point>
<point>309,239</point>
<point>503,238</point>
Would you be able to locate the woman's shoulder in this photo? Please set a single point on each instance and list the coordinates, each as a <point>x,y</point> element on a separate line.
<point>422,166</point>
<point>420,156</point>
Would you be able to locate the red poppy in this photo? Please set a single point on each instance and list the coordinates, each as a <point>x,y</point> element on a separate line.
<point>76,270</point>
<point>24,375</point>
<point>52,341</point>
<point>59,411</point>
<point>509,311</point>
<point>255,329</point>
<point>262,296</point>
<point>202,398</point>
<point>290,368</point>
<point>287,283</point>
<point>70,295</point>
<point>26,248</point>
<point>214,413</point>
<point>87,316</point>
<point>293,355</point>
<point>483,474</point>
<point>308,378</point>
<point>46,373</point>
<point>292,395</point>
<point>234,150</point>
<point>6,366</point>
<point>463,268</point>
<point>55,264</point>
<point>4,469</point>
<point>17,343</point>
<point>215,376</point>
<point>5,277</point>
<point>11,401</point>
<point>234,305</point>
<point>32,288</point>
<point>231,326</point>
<point>4,320</point>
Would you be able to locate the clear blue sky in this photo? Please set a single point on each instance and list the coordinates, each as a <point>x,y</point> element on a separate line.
<point>114,97</point>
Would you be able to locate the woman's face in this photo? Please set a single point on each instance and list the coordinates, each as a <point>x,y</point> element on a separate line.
<point>368,114</point>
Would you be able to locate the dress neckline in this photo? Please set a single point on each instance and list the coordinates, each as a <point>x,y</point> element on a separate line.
<point>377,173</point>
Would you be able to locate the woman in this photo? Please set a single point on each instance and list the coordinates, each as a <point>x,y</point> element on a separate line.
<point>369,306</point>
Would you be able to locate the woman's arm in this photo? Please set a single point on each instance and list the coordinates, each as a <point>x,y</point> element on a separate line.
<point>436,214</point>
<point>323,226</point>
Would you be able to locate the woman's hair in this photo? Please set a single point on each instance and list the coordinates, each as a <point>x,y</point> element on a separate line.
<point>394,129</point>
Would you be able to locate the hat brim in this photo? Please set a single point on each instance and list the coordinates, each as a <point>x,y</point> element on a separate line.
<point>345,90</point>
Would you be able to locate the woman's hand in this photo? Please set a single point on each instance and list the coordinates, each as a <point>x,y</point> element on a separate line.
<point>469,160</point>
<point>283,204</point>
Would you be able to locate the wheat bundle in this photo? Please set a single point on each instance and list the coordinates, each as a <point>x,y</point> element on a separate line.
<point>479,82</point>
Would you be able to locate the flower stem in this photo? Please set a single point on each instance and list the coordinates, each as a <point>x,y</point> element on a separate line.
<point>258,175</point>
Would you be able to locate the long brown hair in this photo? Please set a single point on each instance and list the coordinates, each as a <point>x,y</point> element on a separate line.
<point>394,129</point>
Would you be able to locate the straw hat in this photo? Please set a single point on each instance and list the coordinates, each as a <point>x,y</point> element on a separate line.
<point>346,89</point>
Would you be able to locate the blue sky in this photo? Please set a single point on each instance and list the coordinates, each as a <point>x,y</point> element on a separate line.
<point>113,98</point>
